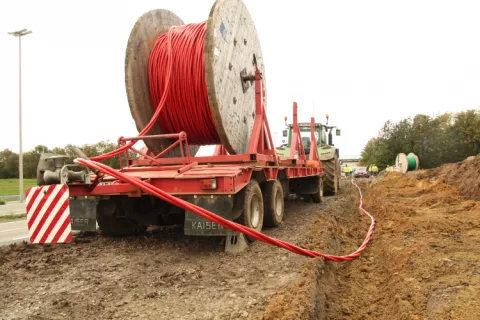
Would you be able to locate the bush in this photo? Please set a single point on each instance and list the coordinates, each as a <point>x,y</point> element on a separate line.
<point>2,202</point>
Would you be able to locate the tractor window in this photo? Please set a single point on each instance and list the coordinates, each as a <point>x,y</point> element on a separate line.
<point>306,142</point>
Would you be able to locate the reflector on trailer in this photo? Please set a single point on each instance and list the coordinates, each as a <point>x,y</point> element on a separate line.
<point>208,184</point>
<point>48,214</point>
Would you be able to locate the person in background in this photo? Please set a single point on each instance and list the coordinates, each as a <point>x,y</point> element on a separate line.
<point>375,170</point>
<point>347,170</point>
<point>388,169</point>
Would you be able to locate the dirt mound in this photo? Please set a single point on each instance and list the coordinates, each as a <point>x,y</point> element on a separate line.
<point>424,262</point>
<point>464,175</point>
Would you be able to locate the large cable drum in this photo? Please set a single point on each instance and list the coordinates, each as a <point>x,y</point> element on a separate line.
<point>230,51</point>
<point>408,162</point>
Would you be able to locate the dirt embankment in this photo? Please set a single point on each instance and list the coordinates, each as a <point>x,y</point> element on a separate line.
<point>424,262</point>
<point>465,176</point>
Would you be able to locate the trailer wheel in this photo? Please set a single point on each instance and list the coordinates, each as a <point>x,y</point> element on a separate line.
<point>318,197</point>
<point>252,215</point>
<point>112,220</point>
<point>274,204</point>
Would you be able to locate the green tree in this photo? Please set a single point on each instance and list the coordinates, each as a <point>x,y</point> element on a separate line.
<point>8,164</point>
<point>436,140</point>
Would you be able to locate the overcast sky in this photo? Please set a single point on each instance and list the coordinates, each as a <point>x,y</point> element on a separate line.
<point>362,62</point>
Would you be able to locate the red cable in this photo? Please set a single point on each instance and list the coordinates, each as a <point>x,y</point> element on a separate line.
<point>227,223</point>
<point>176,72</point>
<point>186,107</point>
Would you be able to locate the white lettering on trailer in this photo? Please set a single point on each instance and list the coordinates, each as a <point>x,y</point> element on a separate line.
<point>206,225</point>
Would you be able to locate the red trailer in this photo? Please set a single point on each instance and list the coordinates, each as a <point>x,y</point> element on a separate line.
<point>247,188</point>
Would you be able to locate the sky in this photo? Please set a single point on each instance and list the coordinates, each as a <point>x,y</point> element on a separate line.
<point>362,62</point>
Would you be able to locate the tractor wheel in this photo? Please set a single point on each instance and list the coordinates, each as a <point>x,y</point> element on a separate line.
<point>112,220</point>
<point>274,204</point>
<point>318,197</point>
<point>331,180</point>
<point>252,215</point>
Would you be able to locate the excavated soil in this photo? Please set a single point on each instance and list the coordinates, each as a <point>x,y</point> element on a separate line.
<point>424,262</point>
<point>464,175</point>
<point>166,275</point>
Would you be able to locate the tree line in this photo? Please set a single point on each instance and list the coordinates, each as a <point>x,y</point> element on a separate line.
<point>9,159</point>
<point>449,137</point>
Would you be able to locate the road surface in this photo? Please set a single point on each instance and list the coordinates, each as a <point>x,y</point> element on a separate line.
<point>12,207</point>
<point>14,231</point>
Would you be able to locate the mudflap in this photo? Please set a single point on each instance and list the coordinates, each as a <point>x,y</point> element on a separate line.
<point>327,153</point>
<point>307,185</point>
<point>221,205</point>
<point>83,214</point>
<point>48,214</point>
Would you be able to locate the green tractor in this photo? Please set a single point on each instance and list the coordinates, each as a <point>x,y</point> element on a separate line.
<point>329,155</point>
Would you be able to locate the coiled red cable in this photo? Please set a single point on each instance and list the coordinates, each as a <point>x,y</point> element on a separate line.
<point>176,73</point>
<point>186,106</point>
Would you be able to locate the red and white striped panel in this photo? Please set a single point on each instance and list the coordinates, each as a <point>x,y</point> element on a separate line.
<point>48,214</point>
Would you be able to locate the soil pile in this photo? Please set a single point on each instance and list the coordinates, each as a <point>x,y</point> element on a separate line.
<point>424,262</point>
<point>464,175</point>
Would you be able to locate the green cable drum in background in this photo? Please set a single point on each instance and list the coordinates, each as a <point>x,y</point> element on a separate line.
<point>407,163</point>
<point>413,161</point>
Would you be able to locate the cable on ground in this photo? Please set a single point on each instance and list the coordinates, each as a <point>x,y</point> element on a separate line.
<point>146,187</point>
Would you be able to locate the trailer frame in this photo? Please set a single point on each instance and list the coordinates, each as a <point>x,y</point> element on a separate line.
<point>215,182</point>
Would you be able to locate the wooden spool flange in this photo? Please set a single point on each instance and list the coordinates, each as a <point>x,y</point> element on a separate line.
<point>231,42</point>
<point>402,162</point>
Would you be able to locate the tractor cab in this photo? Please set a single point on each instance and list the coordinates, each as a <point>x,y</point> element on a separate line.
<point>328,153</point>
<point>320,136</point>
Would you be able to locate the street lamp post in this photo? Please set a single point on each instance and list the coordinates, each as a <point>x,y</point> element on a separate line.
<point>20,34</point>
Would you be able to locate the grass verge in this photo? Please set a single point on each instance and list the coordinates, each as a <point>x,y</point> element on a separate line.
<point>9,187</point>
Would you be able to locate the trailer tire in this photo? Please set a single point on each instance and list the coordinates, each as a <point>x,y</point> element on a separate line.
<point>112,225</point>
<point>274,204</point>
<point>252,214</point>
<point>318,197</point>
